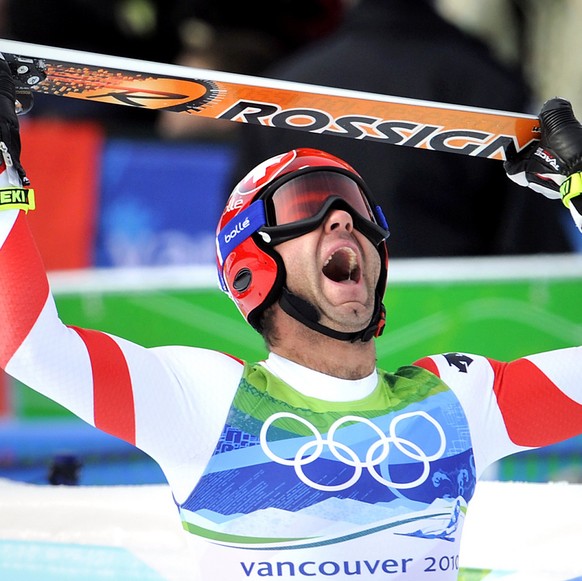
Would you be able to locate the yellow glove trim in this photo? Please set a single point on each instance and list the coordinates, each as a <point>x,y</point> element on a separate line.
<point>571,188</point>
<point>17,198</point>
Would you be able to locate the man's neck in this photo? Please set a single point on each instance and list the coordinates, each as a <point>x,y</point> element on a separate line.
<point>311,349</point>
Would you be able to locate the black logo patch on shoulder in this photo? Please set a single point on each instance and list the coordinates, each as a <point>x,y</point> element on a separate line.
<point>459,360</point>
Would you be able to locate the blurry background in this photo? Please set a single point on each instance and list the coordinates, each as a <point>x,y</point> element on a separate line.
<point>137,189</point>
<point>537,36</point>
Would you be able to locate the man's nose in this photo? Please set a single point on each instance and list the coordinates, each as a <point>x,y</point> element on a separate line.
<point>338,219</point>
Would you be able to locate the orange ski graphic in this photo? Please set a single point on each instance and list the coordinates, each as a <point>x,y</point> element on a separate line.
<point>121,88</point>
<point>429,125</point>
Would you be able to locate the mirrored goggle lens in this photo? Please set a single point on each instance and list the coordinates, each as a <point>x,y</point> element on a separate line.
<point>304,196</point>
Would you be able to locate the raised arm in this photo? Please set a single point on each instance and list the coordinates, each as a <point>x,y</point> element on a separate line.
<point>157,399</point>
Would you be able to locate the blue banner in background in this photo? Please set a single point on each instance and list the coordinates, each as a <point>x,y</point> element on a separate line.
<point>160,202</point>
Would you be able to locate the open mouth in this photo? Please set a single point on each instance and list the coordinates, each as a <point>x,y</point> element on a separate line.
<point>342,266</point>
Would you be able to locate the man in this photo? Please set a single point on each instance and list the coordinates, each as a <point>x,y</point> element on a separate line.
<point>312,463</point>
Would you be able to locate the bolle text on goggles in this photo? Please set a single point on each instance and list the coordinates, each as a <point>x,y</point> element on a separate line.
<point>299,203</point>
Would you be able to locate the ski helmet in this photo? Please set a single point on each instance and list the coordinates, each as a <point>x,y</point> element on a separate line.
<point>284,197</point>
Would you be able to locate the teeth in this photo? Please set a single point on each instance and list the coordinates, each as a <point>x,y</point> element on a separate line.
<point>353,264</point>
<point>351,255</point>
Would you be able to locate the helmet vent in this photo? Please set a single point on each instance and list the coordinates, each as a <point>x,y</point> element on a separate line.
<point>242,280</point>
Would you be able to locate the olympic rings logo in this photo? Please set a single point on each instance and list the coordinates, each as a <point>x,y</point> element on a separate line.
<point>376,454</point>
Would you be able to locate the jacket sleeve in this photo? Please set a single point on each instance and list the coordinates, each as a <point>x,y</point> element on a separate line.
<point>528,403</point>
<point>170,401</point>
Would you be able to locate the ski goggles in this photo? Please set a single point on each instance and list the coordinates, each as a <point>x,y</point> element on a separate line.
<point>299,203</point>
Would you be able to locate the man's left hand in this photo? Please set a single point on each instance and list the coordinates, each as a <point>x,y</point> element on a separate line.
<point>553,166</point>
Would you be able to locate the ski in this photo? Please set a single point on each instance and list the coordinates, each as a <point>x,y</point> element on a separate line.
<point>472,131</point>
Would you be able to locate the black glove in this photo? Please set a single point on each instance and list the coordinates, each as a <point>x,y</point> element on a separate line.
<point>553,166</point>
<point>10,146</point>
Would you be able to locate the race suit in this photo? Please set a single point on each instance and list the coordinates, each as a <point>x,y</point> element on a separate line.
<point>282,472</point>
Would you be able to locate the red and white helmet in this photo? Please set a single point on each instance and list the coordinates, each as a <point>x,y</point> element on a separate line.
<point>284,197</point>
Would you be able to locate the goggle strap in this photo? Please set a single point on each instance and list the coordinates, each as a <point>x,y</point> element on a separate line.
<point>381,218</point>
<point>241,227</point>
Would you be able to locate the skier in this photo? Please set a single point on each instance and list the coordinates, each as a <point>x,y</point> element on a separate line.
<point>311,463</point>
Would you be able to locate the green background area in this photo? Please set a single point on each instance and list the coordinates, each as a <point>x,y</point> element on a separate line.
<point>503,320</point>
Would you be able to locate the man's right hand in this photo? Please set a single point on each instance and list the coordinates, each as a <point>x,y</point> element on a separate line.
<point>10,146</point>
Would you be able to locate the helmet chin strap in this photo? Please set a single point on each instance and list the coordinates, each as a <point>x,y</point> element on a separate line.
<point>306,313</point>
